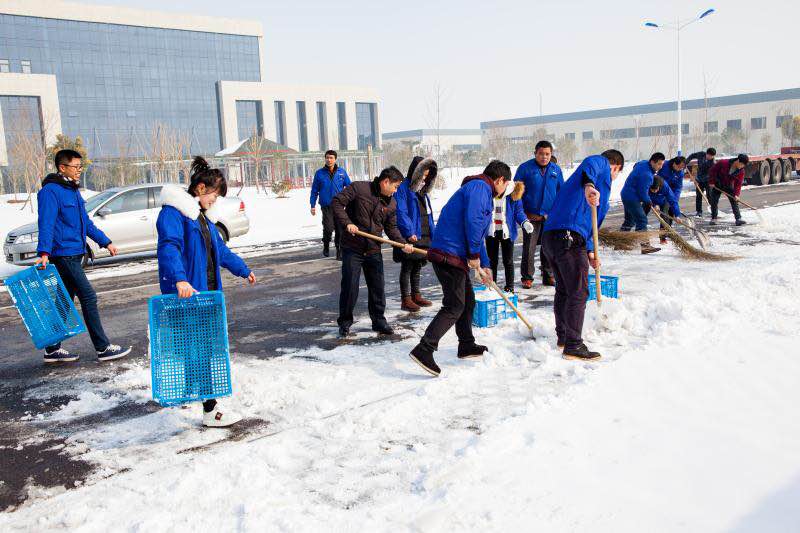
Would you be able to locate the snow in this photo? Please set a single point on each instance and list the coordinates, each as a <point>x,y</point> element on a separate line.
<point>688,423</point>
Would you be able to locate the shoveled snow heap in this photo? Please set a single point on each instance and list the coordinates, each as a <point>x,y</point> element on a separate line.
<point>689,423</point>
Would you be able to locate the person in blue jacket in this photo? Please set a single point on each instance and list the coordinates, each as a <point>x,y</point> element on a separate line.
<point>191,251</point>
<point>415,222</point>
<point>543,179</point>
<point>508,213</point>
<point>63,225</point>
<point>328,182</point>
<point>663,199</point>
<point>636,197</point>
<point>458,246</point>
<point>672,172</point>
<point>568,243</point>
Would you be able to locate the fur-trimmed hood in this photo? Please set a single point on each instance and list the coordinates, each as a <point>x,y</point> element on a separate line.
<point>177,197</point>
<point>515,189</point>
<point>419,183</point>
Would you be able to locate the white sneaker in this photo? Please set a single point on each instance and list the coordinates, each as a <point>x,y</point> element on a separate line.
<point>218,418</point>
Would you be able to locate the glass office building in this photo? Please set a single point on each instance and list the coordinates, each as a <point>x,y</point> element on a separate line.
<point>119,86</point>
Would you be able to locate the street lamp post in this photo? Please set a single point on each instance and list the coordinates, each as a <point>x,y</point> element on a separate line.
<point>677,27</point>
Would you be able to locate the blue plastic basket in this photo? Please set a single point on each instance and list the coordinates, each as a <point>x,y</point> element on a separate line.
<point>608,287</point>
<point>488,313</point>
<point>189,356</point>
<point>44,305</point>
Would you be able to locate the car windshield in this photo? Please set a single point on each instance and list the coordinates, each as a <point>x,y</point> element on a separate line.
<point>98,199</point>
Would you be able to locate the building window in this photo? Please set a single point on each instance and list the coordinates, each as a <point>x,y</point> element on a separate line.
<point>587,135</point>
<point>26,66</point>
<point>302,127</point>
<point>779,120</point>
<point>685,128</point>
<point>734,124</point>
<point>711,127</point>
<point>322,125</point>
<point>622,133</point>
<point>4,65</point>
<point>366,125</point>
<point>569,136</point>
<point>341,119</point>
<point>280,122</point>
<point>758,123</point>
<point>249,119</point>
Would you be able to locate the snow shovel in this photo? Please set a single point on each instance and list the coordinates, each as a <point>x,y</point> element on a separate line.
<point>425,253</point>
<point>758,211</point>
<point>596,241</point>
<point>702,237</point>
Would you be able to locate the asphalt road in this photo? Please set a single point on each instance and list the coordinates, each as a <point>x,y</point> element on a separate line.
<point>293,306</point>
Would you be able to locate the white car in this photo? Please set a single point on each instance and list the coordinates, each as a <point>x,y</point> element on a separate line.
<point>128,216</point>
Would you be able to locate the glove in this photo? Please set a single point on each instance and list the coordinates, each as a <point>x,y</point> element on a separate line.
<point>527,226</point>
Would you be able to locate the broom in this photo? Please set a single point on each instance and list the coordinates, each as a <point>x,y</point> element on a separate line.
<point>697,186</point>
<point>624,240</point>
<point>425,253</point>
<point>702,237</point>
<point>758,211</point>
<point>686,249</point>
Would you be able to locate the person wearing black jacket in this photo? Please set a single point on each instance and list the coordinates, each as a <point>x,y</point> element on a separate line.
<point>371,208</point>
<point>705,160</point>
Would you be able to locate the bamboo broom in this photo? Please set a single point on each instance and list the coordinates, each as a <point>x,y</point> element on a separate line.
<point>689,251</point>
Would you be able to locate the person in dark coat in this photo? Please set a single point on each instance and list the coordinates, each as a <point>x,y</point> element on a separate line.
<point>458,246</point>
<point>329,181</point>
<point>371,208</point>
<point>635,197</point>
<point>415,222</point>
<point>63,226</point>
<point>543,179</point>
<point>191,251</point>
<point>727,176</point>
<point>568,243</point>
<point>705,160</point>
<point>508,214</point>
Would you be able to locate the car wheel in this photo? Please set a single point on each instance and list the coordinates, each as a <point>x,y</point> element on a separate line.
<point>223,232</point>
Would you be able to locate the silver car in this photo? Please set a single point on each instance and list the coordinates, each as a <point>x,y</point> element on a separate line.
<point>128,216</point>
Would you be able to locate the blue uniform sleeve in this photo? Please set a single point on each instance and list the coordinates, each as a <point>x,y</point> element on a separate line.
<point>315,190</point>
<point>230,260</point>
<point>643,184</point>
<point>477,217</point>
<point>403,220</point>
<point>48,211</point>
<point>672,200</point>
<point>170,246</point>
<point>519,212</point>
<point>92,231</point>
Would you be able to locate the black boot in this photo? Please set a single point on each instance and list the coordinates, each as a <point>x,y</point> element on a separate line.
<point>338,254</point>
<point>741,222</point>
<point>344,332</point>
<point>468,351</point>
<point>424,358</point>
<point>581,353</point>
<point>383,329</point>
<point>326,249</point>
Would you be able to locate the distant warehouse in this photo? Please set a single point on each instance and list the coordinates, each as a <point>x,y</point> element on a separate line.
<point>752,122</point>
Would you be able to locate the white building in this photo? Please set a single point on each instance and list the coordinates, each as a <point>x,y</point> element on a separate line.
<point>739,123</point>
<point>458,140</point>
<point>120,77</point>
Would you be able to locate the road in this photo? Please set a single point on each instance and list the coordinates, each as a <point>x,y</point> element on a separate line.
<point>293,306</point>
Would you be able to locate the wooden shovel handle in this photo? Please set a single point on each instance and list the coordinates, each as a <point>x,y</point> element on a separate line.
<point>596,241</point>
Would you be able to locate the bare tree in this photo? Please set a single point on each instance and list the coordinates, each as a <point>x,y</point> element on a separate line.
<point>435,114</point>
<point>566,149</point>
<point>766,140</point>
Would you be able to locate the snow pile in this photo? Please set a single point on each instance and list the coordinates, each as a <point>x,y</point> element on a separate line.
<point>687,424</point>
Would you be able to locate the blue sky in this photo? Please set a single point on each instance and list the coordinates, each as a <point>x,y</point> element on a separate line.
<point>492,59</point>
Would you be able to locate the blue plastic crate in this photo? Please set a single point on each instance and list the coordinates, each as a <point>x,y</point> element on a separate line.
<point>488,313</point>
<point>608,287</point>
<point>44,305</point>
<point>189,356</point>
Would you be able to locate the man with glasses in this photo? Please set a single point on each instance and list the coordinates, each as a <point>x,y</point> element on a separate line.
<point>63,228</point>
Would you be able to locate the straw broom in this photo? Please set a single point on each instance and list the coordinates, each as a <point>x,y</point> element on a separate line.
<point>624,240</point>
<point>687,250</point>
<point>758,211</point>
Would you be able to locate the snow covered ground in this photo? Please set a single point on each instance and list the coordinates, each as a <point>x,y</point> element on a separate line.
<point>689,423</point>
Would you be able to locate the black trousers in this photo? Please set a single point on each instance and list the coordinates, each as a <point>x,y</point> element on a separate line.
<point>529,242</point>
<point>698,200</point>
<point>714,197</point>
<point>329,226</point>
<point>494,246</point>
<point>410,273</point>
<point>458,303</point>
<point>352,265</point>
<point>570,264</point>
<point>71,271</point>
